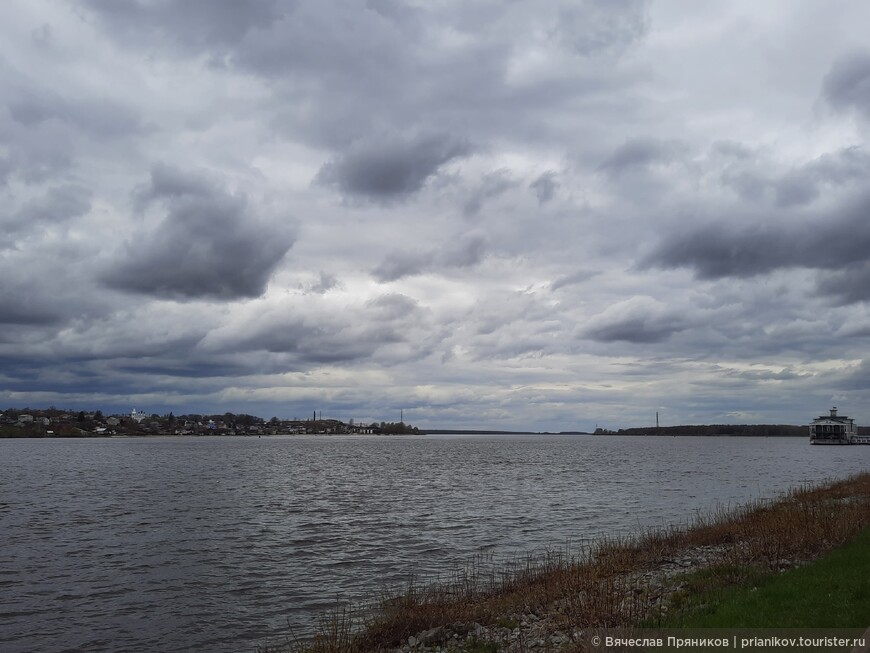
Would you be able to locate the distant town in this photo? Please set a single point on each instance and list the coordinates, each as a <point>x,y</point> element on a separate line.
<point>54,422</point>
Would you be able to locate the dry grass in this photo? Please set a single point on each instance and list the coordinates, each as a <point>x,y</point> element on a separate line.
<point>609,584</point>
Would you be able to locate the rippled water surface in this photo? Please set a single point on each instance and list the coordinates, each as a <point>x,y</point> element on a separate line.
<point>194,544</point>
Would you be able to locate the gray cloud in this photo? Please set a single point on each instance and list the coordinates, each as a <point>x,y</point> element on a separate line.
<point>639,153</point>
<point>314,334</point>
<point>324,284</point>
<point>760,182</point>
<point>100,118</point>
<point>461,254</point>
<point>208,245</point>
<point>5,169</point>
<point>857,378</point>
<point>637,321</point>
<point>193,24</point>
<point>572,278</point>
<point>847,286</point>
<point>58,205</point>
<point>836,242</point>
<point>847,84</point>
<point>768,375</point>
<point>492,185</point>
<point>716,251</point>
<point>392,306</point>
<point>599,150</point>
<point>27,307</point>
<point>37,154</point>
<point>544,187</point>
<point>464,254</point>
<point>598,26</point>
<point>397,265</point>
<point>636,330</point>
<point>43,289</point>
<point>385,67</point>
<point>391,168</point>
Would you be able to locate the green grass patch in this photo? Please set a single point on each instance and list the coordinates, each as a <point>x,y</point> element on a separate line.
<point>833,592</point>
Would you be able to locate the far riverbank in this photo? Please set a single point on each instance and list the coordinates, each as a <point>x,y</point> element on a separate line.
<point>725,430</point>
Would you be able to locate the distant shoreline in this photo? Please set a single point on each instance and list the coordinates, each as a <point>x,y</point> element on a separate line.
<point>705,435</point>
<point>721,430</point>
<point>499,432</point>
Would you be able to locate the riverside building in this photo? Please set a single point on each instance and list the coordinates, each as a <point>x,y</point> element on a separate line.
<point>835,429</point>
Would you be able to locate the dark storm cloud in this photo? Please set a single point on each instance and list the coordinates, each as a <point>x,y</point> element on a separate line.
<point>329,339</point>
<point>187,367</point>
<point>847,286</point>
<point>173,372</point>
<point>208,245</point>
<point>847,85</point>
<point>837,242</point>
<point>636,329</point>
<point>40,293</point>
<point>640,320</point>
<point>715,252</point>
<point>27,308</point>
<point>857,378</point>
<point>192,24</point>
<point>391,167</point>
<point>43,276</point>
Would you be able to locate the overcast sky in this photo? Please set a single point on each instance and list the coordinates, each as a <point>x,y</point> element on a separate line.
<point>542,215</point>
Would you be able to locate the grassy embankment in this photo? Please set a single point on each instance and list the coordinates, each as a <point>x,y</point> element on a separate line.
<point>744,567</point>
<point>830,593</point>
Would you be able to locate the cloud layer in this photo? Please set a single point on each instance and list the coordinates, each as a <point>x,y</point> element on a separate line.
<point>542,215</point>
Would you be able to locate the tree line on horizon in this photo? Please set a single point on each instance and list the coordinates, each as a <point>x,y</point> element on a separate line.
<point>757,430</point>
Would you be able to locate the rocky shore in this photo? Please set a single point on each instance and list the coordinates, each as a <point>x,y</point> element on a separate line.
<point>547,629</point>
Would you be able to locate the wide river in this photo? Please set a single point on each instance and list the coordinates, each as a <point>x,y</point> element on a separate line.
<point>223,543</point>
